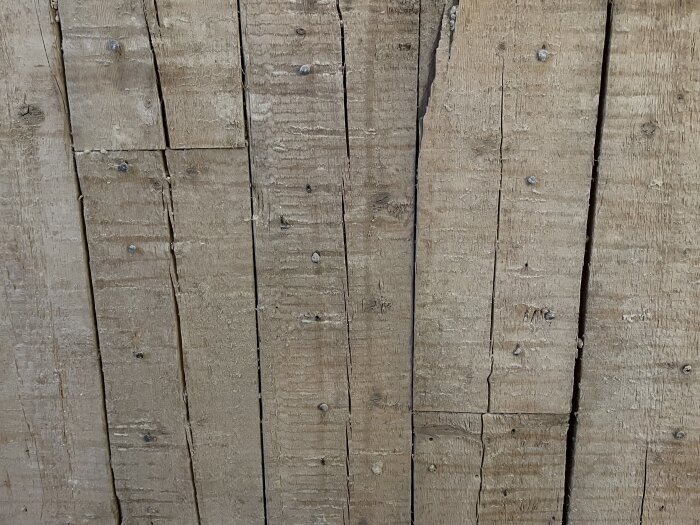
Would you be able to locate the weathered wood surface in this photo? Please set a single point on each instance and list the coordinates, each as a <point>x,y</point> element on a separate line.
<point>499,258</point>
<point>196,47</point>
<point>299,162</point>
<point>112,83</point>
<point>519,480</point>
<point>126,200</point>
<point>216,306</point>
<point>381,59</point>
<point>54,454</point>
<point>636,456</point>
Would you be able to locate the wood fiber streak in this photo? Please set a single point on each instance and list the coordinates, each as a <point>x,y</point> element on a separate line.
<point>134,284</point>
<point>54,456</point>
<point>630,465</point>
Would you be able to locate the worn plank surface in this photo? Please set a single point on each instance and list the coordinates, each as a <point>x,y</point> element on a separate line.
<point>519,480</point>
<point>197,53</point>
<point>299,162</point>
<point>381,58</point>
<point>494,119</point>
<point>630,465</point>
<point>54,455</point>
<point>126,199</point>
<point>111,76</point>
<point>214,255</point>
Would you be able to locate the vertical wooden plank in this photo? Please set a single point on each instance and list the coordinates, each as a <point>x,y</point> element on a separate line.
<point>112,83</point>
<point>54,454</point>
<point>448,452</point>
<point>636,457</point>
<point>505,162</point>
<point>299,160</point>
<point>520,478</point>
<point>134,281</point>
<point>381,59</point>
<point>197,54</point>
<point>213,247</point>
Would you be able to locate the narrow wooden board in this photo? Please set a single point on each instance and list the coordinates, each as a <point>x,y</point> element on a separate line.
<point>381,59</point>
<point>519,480</point>
<point>299,161</point>
<point>111,76</point>
<point>54,454</point>
<point>496,117</point>
<point>630,466</point>
<point>134,280</point>
<point>198,58</point>
<point>214,254</point>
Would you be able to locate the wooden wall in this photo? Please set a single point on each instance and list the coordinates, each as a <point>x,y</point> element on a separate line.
<point>350,262</point>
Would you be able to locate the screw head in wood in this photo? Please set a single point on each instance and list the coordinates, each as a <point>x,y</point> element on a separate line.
<point>315,257</point>
<point>687,369</point>
<point>131,249</point>
<point>323,407</point>
<point>531,180</point>
<point>542,55</point>
<point>123,167</point>
<point>113,46</point>
<point>305,69</point>
<point>679,434</point>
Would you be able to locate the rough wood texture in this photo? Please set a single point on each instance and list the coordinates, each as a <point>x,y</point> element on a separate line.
<point>126,199</point>
<point>381,54</point>
<point>519,480</point>
<point>197,54</point>
<point>53,446</point>
<point>214,254</point>
<point>498,115</point>
<point>631,466</point>
<point>299,162</point>
<point>112,85</point>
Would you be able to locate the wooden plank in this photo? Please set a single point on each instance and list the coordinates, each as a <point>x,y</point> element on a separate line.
<point>112,84</point>
<point>381,58</point>
<point>299,160</point>
<point>134,280</point>
<point>448,452</point>
<point>214,253</point>
<point>519,480</point>
<point>197,54</point>
<point>631,464</point>
<point>496,118</point>
<point>54,454</point>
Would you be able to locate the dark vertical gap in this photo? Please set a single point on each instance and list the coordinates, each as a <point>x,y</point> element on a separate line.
<point>644,485</point>
<point>419,115</point>
<point>348,367</point>
<point>83,231</point>
<point>169,209</point>
<point>246,119</point>
<point>166,132</point>
<point>498,233</point>
<point>585,273</point>
<point>481,471</point>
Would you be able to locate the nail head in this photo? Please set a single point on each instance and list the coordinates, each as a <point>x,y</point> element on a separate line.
<point>687,369</point>
<point>113,46</point>
<point>549,315</point>
<point>432,467</point>
<point>542,55</point>
<point>131,249</point>
<point>531,180</point>
<point>305,69</point>
<point>323,407</point>
<point>300,31</point>
<point>315,257</point>
<point>679,434</point>
<point>123,167</point>
<point>377,468</point>
<point>518,350</point>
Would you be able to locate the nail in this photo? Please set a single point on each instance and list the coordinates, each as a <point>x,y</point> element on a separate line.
<point>687,369</point>
<point>315,257</point>
<point>376,468</point>
<point>432,467</point>
<point>542,55</point>
<point>518,349</point>
<point>323,407</point>
<point>131,249</point>
<point>305,69</point>
<point>549,315</point>
<point>531,180</point>
<point>300,31</point>
<point>113,46</point>
<point>123,167</point>
<point>679,434</point>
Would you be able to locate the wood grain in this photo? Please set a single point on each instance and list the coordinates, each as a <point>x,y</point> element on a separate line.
<point>216,303</point>
<point>54,455</point>
<point>381,59</point>
<point>197,53</point>
<point>630,463</point>
<point>126,199</point>
<point>495,118</point>
<point>519,480</point>
<point>111,76</point>
<point>299,162</point>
